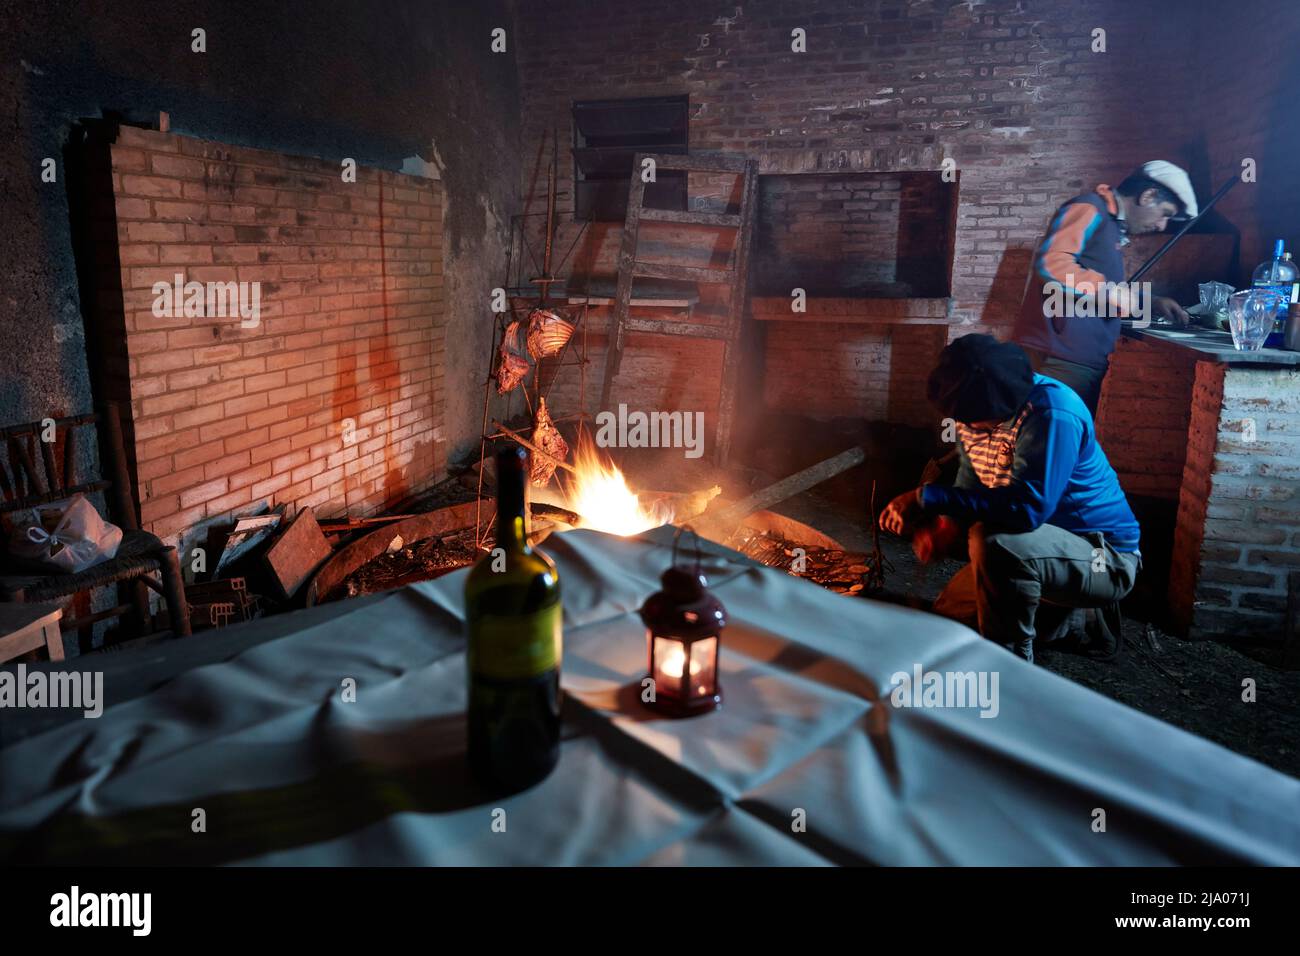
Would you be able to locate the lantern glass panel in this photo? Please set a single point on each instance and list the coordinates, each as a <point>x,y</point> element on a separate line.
<point>668,665</point>
<point>704,659</point>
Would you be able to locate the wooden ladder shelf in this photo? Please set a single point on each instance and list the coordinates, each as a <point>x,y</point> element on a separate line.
<point>735,275</point>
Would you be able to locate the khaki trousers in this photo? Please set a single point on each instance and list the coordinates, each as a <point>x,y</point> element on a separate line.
<point>1019,585</point>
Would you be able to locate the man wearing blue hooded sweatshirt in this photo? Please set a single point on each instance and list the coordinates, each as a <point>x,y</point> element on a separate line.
<point>1048,527</point>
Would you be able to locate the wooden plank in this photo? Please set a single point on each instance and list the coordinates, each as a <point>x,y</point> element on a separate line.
<point>31,501</point>
<point>674,327</point>
<point>664,270</point>
<point>623,295</point>
<point>837,309</point>
<point>723,220</point>
<point>294,556</point>
<point>693,162</point>
<point>70,457</point>
<point>33,483</point>
<point>32,428</point>
<point>787,487</point>
<point>739,291</point>
<point>124,512</point>
<point>52,473</point>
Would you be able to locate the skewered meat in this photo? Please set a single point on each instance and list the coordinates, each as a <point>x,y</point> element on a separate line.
<point>547,333</point>
<point>512,365</point>
<point>548,438</point>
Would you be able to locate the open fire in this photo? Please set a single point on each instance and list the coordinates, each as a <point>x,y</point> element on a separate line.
<point>599,494</point>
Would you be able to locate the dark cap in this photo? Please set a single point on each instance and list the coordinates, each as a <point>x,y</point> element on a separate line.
<point>980,379</point>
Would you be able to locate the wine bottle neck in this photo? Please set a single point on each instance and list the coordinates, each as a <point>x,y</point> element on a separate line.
<point>512,525</point>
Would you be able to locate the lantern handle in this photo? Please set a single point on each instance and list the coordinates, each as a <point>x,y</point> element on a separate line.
<point>699,554</point>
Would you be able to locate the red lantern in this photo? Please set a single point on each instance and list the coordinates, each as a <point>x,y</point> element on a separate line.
<point>684,623</point>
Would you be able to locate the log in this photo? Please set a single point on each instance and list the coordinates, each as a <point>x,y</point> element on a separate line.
<point>787,487</point>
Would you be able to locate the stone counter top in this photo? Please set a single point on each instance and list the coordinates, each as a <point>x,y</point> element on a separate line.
<point>1208,345</point>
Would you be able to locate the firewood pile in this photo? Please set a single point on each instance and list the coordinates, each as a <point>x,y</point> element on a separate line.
<point>845,572</point>
<point>407,563</point>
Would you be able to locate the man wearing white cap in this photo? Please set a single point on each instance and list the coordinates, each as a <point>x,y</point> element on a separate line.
<point>1080,261</point>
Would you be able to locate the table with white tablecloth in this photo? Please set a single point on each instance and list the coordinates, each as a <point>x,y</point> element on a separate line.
<point>262,757</point>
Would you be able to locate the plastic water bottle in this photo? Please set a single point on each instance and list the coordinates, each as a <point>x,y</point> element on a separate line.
<point>1278,275</point>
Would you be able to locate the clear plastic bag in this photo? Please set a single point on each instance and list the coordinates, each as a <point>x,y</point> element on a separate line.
<point>68,536</point>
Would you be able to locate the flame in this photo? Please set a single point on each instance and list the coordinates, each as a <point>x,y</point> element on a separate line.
<point>600,495</point>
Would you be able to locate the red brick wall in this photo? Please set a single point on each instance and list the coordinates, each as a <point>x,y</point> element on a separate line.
<point>351,331</point>
<point>1143,417</point>
<point>852,357</point>
<point>1010,91</point>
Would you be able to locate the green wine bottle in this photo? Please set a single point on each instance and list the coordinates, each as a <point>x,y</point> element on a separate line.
<point>512,610</point>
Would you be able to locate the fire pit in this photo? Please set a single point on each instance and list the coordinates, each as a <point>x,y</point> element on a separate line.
<point>596,496</point>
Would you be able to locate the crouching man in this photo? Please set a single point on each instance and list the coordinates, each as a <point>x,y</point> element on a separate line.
<point>1053,543</point>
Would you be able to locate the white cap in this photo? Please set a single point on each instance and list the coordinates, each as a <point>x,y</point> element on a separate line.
<point>1174,179</point>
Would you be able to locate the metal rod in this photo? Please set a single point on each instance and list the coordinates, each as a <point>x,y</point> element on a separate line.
<point>1146,266</point>
<point>550,213</point>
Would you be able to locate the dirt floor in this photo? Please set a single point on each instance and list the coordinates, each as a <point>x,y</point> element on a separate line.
<point>1195,685</point>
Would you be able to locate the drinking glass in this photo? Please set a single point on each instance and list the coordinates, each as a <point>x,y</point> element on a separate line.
<point>1251,314</point>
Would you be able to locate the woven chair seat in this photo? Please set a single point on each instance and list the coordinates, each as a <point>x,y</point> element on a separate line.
<point>139,553</point>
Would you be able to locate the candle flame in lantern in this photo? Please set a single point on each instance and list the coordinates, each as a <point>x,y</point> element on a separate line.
<point>675,660</point>
<point>599,493</point>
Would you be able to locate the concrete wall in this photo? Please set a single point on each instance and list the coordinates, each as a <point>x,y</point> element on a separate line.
<point>405,82</point>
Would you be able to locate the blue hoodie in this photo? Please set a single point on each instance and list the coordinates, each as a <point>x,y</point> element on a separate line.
<point>1059,476</point>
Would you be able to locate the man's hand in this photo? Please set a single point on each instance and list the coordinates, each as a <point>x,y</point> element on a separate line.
<point>936,539</point>
<point>1166,308</point>
<point>901,513</point>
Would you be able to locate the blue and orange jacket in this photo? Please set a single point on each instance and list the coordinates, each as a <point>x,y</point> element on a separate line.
<point>1080,251</point>
<point>1059,476</point>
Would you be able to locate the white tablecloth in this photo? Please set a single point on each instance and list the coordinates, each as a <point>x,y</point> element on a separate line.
<point>285,772</point>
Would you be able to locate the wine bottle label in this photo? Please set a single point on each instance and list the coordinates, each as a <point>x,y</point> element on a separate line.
<point>511,647</point>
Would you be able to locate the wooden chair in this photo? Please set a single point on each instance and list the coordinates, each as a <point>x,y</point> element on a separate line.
<point>36,472</point>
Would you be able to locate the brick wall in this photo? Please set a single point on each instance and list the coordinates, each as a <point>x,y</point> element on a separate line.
<point>334,399</point>
<point>1238,532</point>
<point>1010,91</point>
<point>685,381</point>
<point>864,234</point>
<point>868,358</point>
<point>1143,417</point>
<point>1246,99</point>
